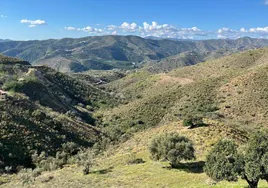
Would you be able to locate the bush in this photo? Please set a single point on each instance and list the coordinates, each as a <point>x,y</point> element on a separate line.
<point>172,147</point>
<point>49,163</point>
<point>193,122</point>
<point>132,158</point>
<point>70,148</point>
<point>85,159</point>
<point>25,175</point>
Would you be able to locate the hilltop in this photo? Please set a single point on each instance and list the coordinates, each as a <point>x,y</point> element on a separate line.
<point>123,52</point>
<point>4,60</point>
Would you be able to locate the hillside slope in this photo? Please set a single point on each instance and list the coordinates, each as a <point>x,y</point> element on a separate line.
<point>232,89</point>
<point>114,170</point>
<point>40,109</point>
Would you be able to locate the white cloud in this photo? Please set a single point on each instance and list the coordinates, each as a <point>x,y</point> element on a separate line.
<point>146,29</point>
<point>129,27</point>
<point>227,33</point>
<point>87,29</point>
<point>243,30</point>
<point>225,30</point>
<point>90,29</point>
<point>33,23</point>
<point>111,27</point>
<point>266,2</point>
<point>170,31</point>
<point>3,16</point>
<point>259,30</point>
<point>70,28</point>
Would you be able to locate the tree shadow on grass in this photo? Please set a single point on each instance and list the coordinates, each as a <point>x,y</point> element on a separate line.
<point>190,167</point>
<point>102,171</point>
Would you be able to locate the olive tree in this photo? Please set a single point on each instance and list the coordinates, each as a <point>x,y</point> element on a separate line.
<point>224,162</point>
<point>172,147</point>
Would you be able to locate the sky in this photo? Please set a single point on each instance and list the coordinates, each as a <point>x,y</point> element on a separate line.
<point>181,19</point>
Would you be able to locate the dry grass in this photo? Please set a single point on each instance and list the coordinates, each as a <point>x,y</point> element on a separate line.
<point>113,170</point>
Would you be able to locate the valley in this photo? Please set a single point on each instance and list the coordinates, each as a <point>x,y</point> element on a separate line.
<point>104,120</point>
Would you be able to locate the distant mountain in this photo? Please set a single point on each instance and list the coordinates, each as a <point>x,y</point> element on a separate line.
<point>109,52</point>
<point>4,40</point>
<point>186,59</point>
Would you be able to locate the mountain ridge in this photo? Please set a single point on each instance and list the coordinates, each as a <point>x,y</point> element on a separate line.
<point>109,52</point>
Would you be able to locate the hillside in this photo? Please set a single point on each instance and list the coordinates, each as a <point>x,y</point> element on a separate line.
<point>114,170</point>
<point>185,59</point>
<point>108,52</point>
<point>231,89</point>
<point>228,93</point>
<point>43,109</point>
<point>11,61</point>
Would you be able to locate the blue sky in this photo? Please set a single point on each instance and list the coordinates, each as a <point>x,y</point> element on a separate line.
<point>184,19</point>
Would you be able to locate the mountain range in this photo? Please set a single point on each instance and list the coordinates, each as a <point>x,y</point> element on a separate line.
<point>118,52</point>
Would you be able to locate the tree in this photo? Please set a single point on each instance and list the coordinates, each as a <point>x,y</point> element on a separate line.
<point>256,159</point>
<point>172,147</point>
<point>224,162</point>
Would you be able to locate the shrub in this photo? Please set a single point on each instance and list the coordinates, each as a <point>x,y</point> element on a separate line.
<point>39,115</point>
<point>193,122</point>
<point>25,175</point>
<point>132,158</point>
<point>85,159</point>
<point>172,147</point>
<point>70,148</point>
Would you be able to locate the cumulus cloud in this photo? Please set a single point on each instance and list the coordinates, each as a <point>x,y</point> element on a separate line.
<point>33,23</point>
<point>88,29</point>
<point>227,33</point>
<point>129,27</point>
<point>259,30</point>
<point>170,31</point>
